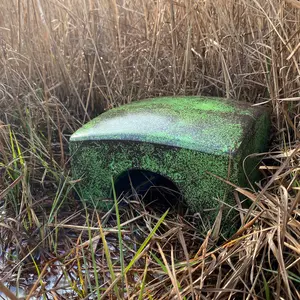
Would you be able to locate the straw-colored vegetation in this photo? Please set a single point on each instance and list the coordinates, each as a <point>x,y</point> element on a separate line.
<point>64,61</point>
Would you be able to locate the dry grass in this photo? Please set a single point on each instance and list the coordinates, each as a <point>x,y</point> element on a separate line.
<point>64,61</point>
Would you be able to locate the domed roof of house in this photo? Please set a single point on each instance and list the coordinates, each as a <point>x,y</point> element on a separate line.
<point>206,124</point>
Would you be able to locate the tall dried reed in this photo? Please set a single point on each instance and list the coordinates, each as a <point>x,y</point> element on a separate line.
<point>64,61</point>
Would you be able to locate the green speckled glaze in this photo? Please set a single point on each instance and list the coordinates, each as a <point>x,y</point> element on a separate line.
<point>180,138</point>
<point>186,122</point>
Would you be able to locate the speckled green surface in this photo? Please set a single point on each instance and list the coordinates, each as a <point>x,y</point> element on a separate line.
<point>186,122</point>
<point>179,138</point>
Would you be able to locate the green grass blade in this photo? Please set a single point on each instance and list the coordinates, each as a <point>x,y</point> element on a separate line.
<point>108,257</point>
<point>266,287</point>
<point>119,231</point>
<point>161,264</point>
<point>146,241</point>
<point>93,257</point>
<point>144,281</point>
<point>137,254</point>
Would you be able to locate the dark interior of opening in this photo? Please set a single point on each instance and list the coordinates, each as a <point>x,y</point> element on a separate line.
<point>156,191</point>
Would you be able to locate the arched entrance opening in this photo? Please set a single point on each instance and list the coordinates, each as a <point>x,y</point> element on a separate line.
<point>155,190</point>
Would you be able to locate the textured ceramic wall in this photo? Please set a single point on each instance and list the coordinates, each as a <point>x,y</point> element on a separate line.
<point>180,138</point>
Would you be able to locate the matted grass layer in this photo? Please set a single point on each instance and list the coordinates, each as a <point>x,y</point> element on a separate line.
<point>76,254</point>
<point>63,62</point>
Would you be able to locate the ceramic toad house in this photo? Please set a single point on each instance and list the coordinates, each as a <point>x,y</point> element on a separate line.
<point>185,139</point>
